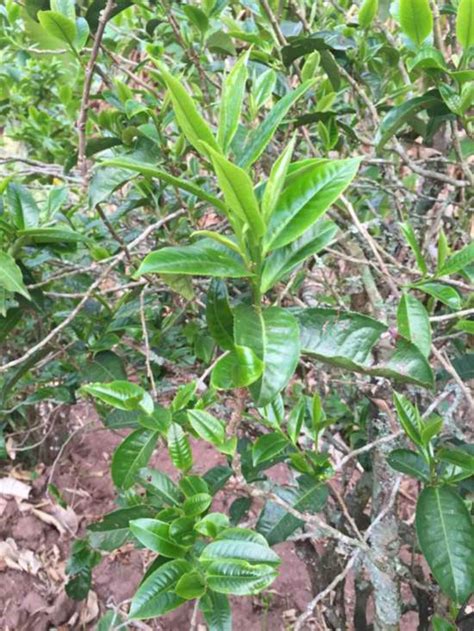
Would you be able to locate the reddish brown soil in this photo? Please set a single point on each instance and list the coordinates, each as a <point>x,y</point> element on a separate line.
<point>38,602</point>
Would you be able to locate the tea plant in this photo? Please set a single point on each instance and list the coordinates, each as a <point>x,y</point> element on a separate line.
<point>244,153</point>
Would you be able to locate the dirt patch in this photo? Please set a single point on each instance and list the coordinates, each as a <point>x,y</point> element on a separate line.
<point>39,535</point>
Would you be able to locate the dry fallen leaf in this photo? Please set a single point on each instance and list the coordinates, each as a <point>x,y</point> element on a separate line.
<point>10,486</point>
<point>19,559</point>
<point>90,609</point>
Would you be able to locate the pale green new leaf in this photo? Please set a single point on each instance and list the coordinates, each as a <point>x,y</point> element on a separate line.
<point>203,258</point>
<point>309,192</point>
<point>367,12</point>
<point>239,195</point>
<point>239,577</point>
<point>237,369</point>
<point>261,135</point>
<point>416,19</point>
<point>11,277</point>
<point>276,181</point>
<point>59,26</point>
<point>155,535</point>
<point>410,236</point>
<point>179,447</point>
<point>207,427</point>
<point>414,323</point>
<point>465,23</point>
<point>192,124</point>
<point>457,261</point>
<point>232,97</point>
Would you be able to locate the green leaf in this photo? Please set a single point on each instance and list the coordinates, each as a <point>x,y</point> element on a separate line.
<point>207,426</point>
<point>401,114</point>
<point>416,19</point>
<point>284,260</point>
<point>154,535</point>
<point>237,369</point>
<point>239,195</point>
<point>203,258</point>
<point>59,26</point>
<point>190,586</point>
<point>458,261</point>
<point>132,455</point>
<point>192,124</point>
<point>152,171</point>
<point>410,236</point>
<point>23,205</point>
<point>295,420</point>
<point>276,181</point>
<point>308,194</point>
<point>457,457</point>
<point>276,524</point>
<point>263,332</point>
<point>409,462</point>
<point>261,135</point>
<point>254,553</point>
<point>446,294</point>
<point>193,484</point>
<point>239,577</point>
<point>158,483</point>
<point>122,395</point>
<point>219,317</point>
<point>155,596</point>
<point>441,624</point>
<point>197,504</point>
<point>217,612</point>
<point>446,538</point>
<point>179,447</point>
<point>113,530</point>
<point>51,235</point>
<point>409,417</point>
<point>465,23</point>
<point>431,428</point>
<point>346,340</point>
<point>212,524</point>
<point>232,96</point>
<point>367,12</point>
<point>268,447</point>
<point>11,277</point>
<point>414,324</point>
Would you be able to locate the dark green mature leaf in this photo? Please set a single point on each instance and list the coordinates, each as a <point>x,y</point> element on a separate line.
<point>401,114</point>
<point>262,134</point>
<point>239,577</point>
<point>414,323</point>
<point>309,192</point>
<point>155,596</point>
<point>446,538</point>
<point>263,332</point>
<point>237,369</point>
<point>155,535</point>
<point>150,170</point>
<point>409,462</point>
<point>219,317</point>
<point>457,457</point>
<point>51,235</point>
<point>216,610</point>
<point>465,23</point>
<point>132,455</point>
<point>409,417</point>
<point>416,19</point>
<point>346,340</point>
<point>104,367</point>
<point>207,427</point>
<point>11,277</point>
<point>203,258</point>
<point>192,124</point>
<point>410,236</point>
<point>113,530</point>
<point>321,41</point>
<point>161,485</point>
<point>276,524</point>
<point>284,260</point>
